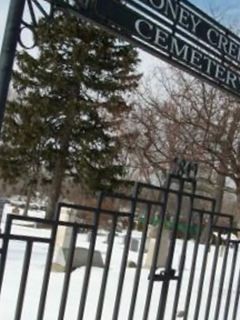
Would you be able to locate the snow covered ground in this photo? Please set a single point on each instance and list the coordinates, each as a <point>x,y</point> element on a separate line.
<point>14,265</point>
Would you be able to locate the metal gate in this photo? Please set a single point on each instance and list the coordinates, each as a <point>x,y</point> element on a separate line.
<point>193,271</point>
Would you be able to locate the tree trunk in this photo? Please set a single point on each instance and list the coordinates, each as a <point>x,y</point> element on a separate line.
<point>219,193</point>
<point>56,187</point>
<point>237,213</point>
<point>29,196</point>
<point>59,170</point>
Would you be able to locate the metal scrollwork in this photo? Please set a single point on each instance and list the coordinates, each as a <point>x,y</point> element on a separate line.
<point>36,9</point>
<point>184,168</point>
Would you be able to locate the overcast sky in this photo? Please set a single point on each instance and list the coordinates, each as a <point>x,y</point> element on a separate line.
<point>227,11</point>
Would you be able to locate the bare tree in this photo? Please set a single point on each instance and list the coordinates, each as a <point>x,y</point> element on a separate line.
<point>187,118</point>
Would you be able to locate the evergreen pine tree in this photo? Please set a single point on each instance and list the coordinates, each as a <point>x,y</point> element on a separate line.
<point>71,98</point>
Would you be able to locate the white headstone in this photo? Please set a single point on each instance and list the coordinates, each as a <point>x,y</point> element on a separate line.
<point>163,251</point>
<point>80,258</point>
<point>134,244</point>
<point>151,234</point>
<point>62,247</point>
<point>89,236</point>
<point>64,233</point>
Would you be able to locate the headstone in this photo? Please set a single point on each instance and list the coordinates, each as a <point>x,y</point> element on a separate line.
<point>134,244</point>
<point>151,234</point>
<point>146,248</point>
<point>163,251</point>
<point>79,260</point>
<point>62,247</point>
<point>64,233</point>
<point>89,236</point>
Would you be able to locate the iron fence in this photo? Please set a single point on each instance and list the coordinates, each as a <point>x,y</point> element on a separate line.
<point>198,280</point>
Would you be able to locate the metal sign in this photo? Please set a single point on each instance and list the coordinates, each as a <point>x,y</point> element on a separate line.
<point>194,24</point>
<point>175,31</point>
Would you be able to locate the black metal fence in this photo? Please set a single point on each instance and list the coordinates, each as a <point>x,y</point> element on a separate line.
<point>198,276</point>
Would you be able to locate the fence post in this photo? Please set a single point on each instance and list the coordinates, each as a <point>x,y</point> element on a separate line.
<point>9,45</point>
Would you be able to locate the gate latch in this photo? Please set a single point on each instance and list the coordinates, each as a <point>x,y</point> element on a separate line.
<point>165,275</point>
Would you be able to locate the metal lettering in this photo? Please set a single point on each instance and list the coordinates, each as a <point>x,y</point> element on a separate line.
<point>179,52</point>
<point>233,50</point>
<point>195,23</point>
<point>210,64</point>
<point>157,4</point>
<point>143,24</point>
<point>232,79</point>
<point>197,45</point>
<point>161,38</point>
<point>220,73</point>
<point>223,43</point>
<point>168,7</point>
<point>213,37</point>
<point>196,59</point>
<point>184,16</point>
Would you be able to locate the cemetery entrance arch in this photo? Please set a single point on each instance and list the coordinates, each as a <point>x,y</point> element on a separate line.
<point>179,33</point>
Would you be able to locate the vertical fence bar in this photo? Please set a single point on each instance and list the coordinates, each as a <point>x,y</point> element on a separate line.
<point>139,264</point>
<point>5,244</point>
<point>212,278</point>
<point>83,298</point>
<point>193,267</point>
<point>165,284</point>
<point>106,268</point>
<point>125,253</point>
<point>9,45</point>
<point>222,279</point>
<point>183,254</point>
<point>48,266</point>
<point>156,249</point>
<point>68,273</point>
<point>230,286</point>
<point>23,283</point>
<point>236,300</point>
<point>204,264</point>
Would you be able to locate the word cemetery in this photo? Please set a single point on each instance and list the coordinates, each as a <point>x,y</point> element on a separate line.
<point>177,32</point>
<point>186,53</point>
